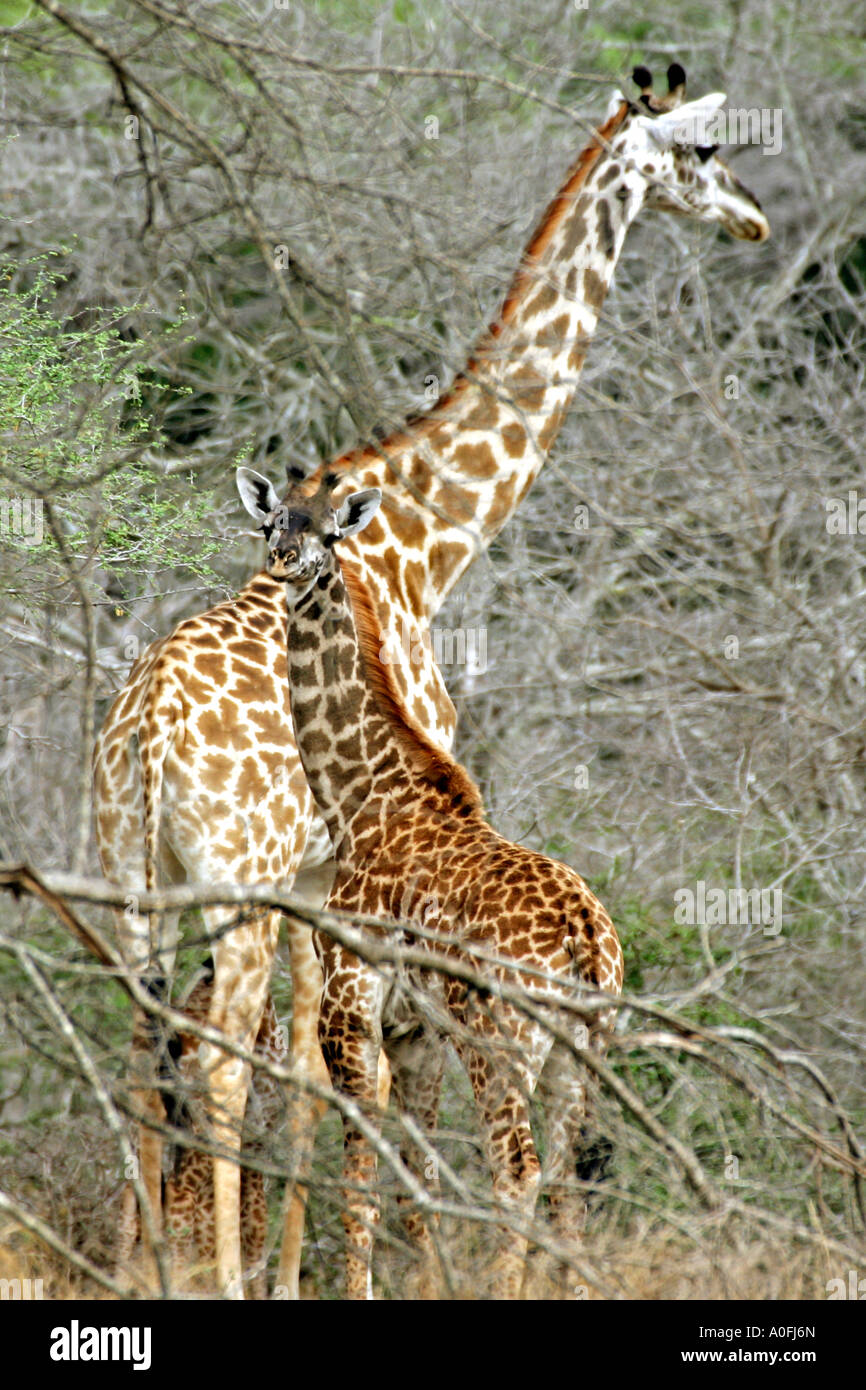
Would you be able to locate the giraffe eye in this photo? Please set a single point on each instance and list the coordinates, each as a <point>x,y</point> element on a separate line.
<point>705,152</point>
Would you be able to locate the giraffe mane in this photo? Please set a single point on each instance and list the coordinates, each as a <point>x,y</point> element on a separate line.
<point>556,210</point>
<point>433,763</point>
<point>546,228</point>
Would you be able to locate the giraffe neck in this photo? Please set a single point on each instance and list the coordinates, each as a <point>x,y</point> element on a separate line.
<point>361,755</point>
<point>453,478</point>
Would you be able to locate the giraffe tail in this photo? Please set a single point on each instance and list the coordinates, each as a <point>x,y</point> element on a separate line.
<point>593,1152</point>
<point>158,726</point>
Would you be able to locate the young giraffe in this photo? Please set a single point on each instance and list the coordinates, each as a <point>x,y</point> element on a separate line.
<point>188,1195</point>
<point>408,831</point>
<point>196,775</point>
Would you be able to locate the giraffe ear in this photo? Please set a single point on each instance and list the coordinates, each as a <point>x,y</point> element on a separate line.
<point>358,509</point>
<point>616,100</point>
<point>256,493</point>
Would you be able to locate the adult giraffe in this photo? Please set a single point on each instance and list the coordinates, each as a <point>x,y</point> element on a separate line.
<point>196,772</point>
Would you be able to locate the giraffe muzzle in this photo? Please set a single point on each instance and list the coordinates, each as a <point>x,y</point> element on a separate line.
<point>289,568</point>
<point>756,230</point>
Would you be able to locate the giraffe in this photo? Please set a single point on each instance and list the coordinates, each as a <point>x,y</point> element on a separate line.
<point>188,1194</point>
<point>196,776</point>
<point>412,846</point>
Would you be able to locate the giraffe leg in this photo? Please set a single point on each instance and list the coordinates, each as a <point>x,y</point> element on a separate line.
<point>183,1200</point>
<point>189,1216</point>
<point>305,1110</point>
<point>502,1092</point>
<point>150,1160</point>
<point>146,1100</point>
<point>188,1197</point>
<point>563,1092</point>
<point>243,958</point>
<point>594,1151</point>
<point>361,1211</point>
<point>383,1080</point>
<point>254,1230</point>
<point>417,1064</point>
<point>148,945</point>
<point>128,1231</point>
<point>351,1036</point>
<point>516,1180</point>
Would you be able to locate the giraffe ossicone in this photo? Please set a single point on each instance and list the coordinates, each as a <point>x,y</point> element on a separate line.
<point>408,830</point>
<point>196,773</point>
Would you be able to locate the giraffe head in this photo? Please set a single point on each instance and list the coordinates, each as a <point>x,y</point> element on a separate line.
<point>302,528</point>
<point>668,142</point>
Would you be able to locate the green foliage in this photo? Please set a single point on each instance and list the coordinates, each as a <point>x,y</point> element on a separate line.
<point>74,436</point>
<point>649,946</point>
<point>13,11</point>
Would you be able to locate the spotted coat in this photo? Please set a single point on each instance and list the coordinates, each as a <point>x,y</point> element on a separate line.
<point>196,772</point>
